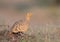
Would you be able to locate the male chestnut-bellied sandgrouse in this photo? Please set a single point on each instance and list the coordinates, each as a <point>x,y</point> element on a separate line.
<point>21,26</point>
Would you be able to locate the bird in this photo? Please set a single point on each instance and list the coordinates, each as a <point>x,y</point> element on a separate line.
<point>20,26</point>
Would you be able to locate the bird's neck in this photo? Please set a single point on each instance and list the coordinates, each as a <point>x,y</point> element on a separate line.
<point>27,19</point>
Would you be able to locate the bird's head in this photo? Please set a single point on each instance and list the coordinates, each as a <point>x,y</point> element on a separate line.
<point>29,14</point>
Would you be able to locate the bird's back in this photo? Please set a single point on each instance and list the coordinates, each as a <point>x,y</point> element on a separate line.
<point>19,26</point>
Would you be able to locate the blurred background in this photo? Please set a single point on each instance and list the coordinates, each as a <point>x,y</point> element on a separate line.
<point>45,20</point>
